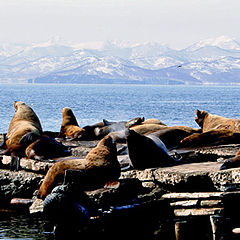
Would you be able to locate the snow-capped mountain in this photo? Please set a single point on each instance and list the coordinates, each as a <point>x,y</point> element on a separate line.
<point>206,62</point>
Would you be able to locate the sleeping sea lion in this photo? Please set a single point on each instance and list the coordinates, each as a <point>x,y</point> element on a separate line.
<point>153,121</point>
<point>24,129</point>
<point>101,165</point>
<point>46,148</point>
<point>214,136</point>
<point>109,127</point>
<point>232,162</point>
<point>209,121</point>
<point>171,136</point>
<point>134,121</point>
<point>147,151</point>
<point>70,128</point>
<point>147,128</point>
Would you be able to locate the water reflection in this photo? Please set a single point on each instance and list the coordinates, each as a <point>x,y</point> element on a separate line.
<point>20,226</point>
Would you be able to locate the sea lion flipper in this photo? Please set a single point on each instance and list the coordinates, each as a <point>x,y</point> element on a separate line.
<point>29,138</point>
<point>106,122</point>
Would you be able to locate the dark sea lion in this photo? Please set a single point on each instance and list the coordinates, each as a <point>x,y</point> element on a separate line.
<point>101,132</point>
<point>109,127</point>
<point>232,162</point>
<point>89,130</point>
<point>147,151</point>
<point>209,121</point>
<point>46,148</point>
<point>101,165</point>
<point>70,128</point>
<point>24,129</point>
<point>171,136</point>
<point>211,137</point>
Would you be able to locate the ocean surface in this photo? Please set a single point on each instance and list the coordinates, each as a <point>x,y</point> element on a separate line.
<point>174,105</point>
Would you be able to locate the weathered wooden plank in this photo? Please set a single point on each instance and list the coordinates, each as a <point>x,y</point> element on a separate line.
<point>21,201</point>
<point>188,203</point>
<point>197,212</point>
<point>195,195</point>
<point>210,203</point>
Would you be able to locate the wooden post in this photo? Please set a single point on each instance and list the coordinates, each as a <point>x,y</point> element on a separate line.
<point>221,227</point>
<point>180,230</point>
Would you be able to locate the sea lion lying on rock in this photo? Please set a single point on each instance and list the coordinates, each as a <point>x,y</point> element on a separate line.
<point>148,128</point>
<point>70,128</point>
<point>171,136</point>
<point>209,121</point>
<point>215,129</point>
<point>232,162</point>
<point>24,129</point>
<point>101,165</point>
<point>211,137</point>
<point>147,151</point>
<point>46,148</point>
<point>153,121</point>
<point>110,127</point>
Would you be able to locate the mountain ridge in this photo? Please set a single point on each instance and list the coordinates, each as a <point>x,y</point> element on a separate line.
<point>210,61</point>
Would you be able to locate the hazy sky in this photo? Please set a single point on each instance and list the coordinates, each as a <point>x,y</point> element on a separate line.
<point>174,22</point>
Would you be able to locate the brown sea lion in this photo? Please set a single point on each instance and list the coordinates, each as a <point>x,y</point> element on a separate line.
<point>214,136</point>
<point>70,128</point>
<point>232,162</point>
<point>147,151</point>
<point>46,148</point>
<point>24,129</point>
<point>134,121</point>
<point>209,121</point>
<point>101,165</point>
<point>153,121</point>
<point>171,136</point>
<point>147,128</point>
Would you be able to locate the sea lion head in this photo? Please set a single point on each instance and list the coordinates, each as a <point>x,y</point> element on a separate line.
<point>68,117</point>
<point>200,117</point>
<point>108,142</point>
<point>24,113</point>
<point>18,104</point>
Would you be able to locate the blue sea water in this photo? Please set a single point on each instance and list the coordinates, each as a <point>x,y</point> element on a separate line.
<point>174,105</point>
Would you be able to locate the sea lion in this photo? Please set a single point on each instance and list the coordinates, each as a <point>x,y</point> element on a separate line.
<point>153,121</point>
<point>214,136</point>
<point>209,121</point>
<point>134,121</point>
<point>232,162</point>
<point>89,133</point>
<point>147,151</point>
<point>101,132</point>
<point>46,148</point>
<point>171,136</point>
<point>101,165</point>
<point>70,128</point>
<point>24,129</point>
<point>109,127</point>
<point>147,128</point>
